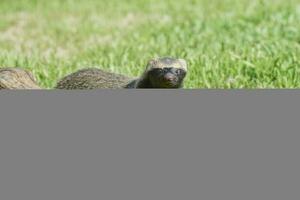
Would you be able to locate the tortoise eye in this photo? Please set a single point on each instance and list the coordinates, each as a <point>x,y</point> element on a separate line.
<point>160,70</point>
<point>178,71</point>
<point>156,71</point>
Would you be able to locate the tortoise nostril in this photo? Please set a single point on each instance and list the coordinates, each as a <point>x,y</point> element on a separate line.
<point>169,77</point>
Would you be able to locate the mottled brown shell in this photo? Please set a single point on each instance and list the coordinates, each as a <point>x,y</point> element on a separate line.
<point>16,78</point>
<point>92,78</point>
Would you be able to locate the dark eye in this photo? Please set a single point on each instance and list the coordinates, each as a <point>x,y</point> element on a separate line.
<point>160,70</point>
<point>178,71</point>
<point>156,71</point>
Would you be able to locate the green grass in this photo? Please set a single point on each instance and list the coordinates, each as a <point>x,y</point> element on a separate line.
<point>227,43</point>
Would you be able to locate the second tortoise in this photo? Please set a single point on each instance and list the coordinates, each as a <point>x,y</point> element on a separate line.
<point>168,73</point>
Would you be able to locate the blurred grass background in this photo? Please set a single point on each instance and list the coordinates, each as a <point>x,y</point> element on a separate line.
<point>227,43</point>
